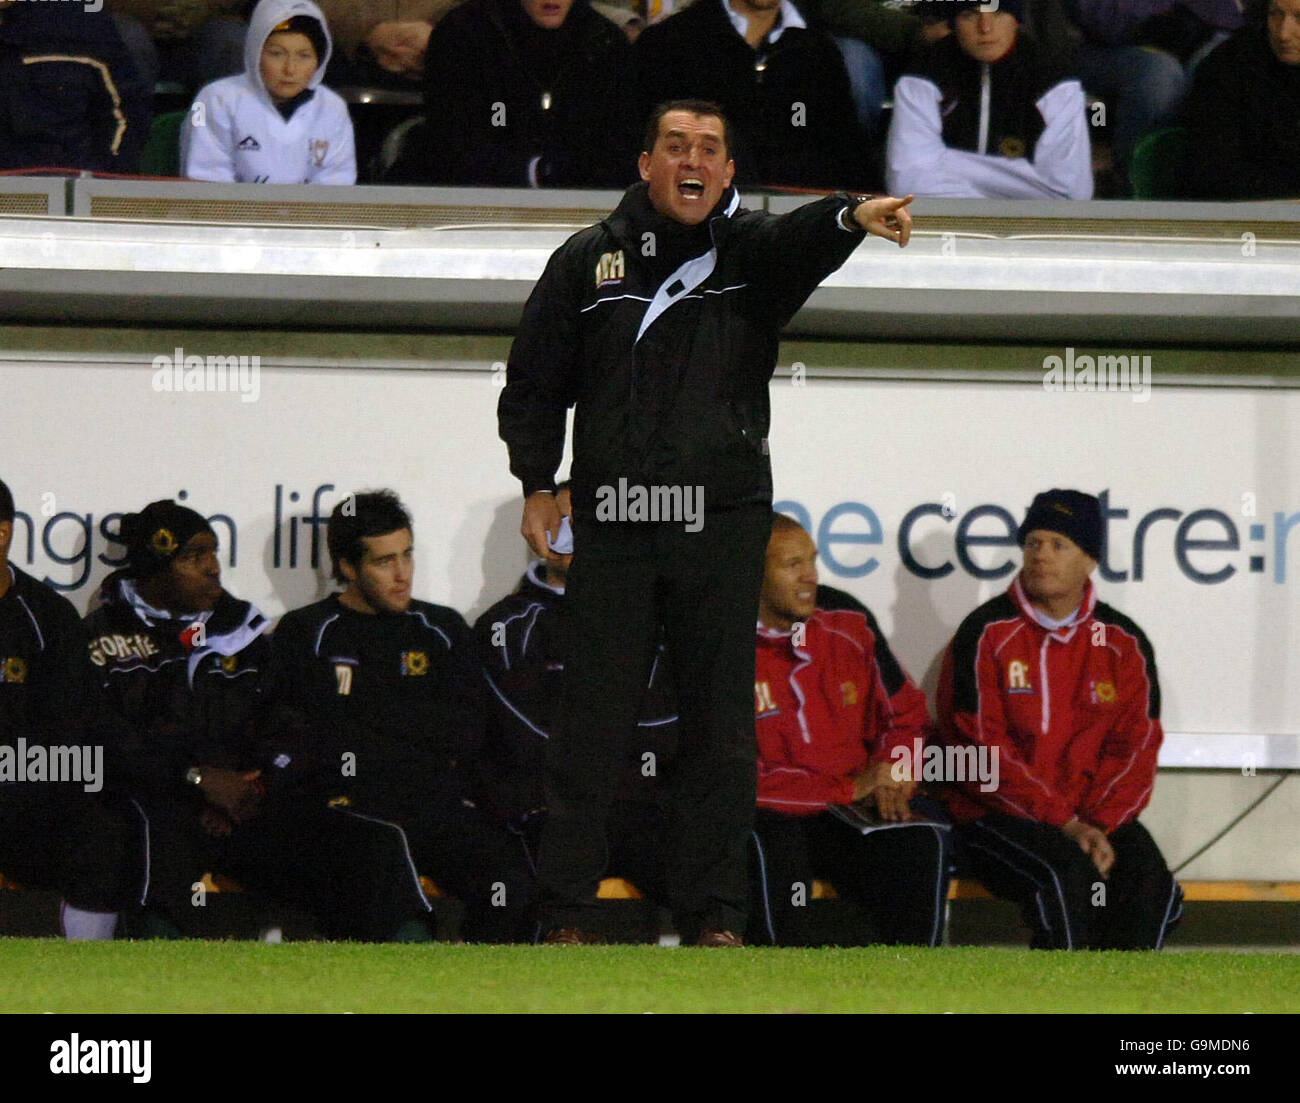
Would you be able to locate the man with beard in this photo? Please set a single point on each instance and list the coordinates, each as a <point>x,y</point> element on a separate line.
<point>383,696</point>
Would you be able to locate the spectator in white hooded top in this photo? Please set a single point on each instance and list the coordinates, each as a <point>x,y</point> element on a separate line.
<point>274,123</point>
<point>984,113</point>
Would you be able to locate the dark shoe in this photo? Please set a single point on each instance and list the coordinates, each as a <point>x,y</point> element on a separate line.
<point>719,938</point>
<point>571,936</point>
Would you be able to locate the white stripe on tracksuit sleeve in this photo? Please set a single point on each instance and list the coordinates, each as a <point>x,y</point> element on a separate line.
<point>917,161</point>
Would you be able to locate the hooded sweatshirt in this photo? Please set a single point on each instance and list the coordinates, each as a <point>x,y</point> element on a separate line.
<point>236,133</point>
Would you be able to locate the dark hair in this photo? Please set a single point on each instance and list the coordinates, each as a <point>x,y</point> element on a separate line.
<point>305,25</point>
<point>695,107</point>
<point>783,522</point>
<point>368,513</point>
<point>6,503</point>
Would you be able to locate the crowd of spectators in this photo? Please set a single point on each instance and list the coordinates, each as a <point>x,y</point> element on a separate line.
<point>1024,98</point>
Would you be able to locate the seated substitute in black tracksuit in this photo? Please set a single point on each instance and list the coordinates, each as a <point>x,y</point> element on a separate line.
<point>57,832</point>
<point>383,696</point>
<point>520,642</point>
<point>182,667</point>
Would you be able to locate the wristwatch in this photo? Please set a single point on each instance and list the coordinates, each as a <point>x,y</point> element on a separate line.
<point>847,215</point>
<point>194,776</point>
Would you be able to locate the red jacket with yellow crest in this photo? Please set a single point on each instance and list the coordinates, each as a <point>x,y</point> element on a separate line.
<point>828,700</point>
<point>1074,712</point>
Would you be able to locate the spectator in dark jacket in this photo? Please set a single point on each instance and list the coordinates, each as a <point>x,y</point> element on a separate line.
<point>1243,114</point>
<point>782,84</point>
<point>524,93</point>
<point>70,96</point>
<point>1139,55</point>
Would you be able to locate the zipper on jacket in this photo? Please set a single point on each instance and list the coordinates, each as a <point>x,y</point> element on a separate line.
<point>983,144</point>
<point>1045,690</point>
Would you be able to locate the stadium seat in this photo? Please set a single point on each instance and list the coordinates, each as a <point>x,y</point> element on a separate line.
<point>1156,170</point>
<point>393,144</point>
<point>161,155</point>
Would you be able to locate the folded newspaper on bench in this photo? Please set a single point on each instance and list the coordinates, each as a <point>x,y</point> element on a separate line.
<point>862,816</point>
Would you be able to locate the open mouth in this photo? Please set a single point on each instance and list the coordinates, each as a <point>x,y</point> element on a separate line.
<point>690,187</point>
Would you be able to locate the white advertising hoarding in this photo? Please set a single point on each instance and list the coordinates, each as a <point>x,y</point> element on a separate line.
<point>912,491</point>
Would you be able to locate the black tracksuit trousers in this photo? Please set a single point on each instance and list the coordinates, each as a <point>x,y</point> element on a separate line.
<point>899,875</point>
<point>352,873</point>
<point>56,836</point>
<point>626,580</point>
<point>1065,902</point>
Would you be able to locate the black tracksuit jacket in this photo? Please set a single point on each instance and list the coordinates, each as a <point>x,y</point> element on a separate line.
<point>42,665</point>
<point>401,693</point>
<point>667,358</point>
<point>164,705</point>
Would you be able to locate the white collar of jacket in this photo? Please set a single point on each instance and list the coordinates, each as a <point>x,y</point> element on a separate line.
<point>151,615</point>
<point>224,641</point>
<point>1062,632</point>
<point>535,575</point>
<point>691,274</point>
<point>787,17</point>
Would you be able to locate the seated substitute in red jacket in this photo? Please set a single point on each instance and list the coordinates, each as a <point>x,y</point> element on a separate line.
<point>1063,689</point>
<point>837,720</point>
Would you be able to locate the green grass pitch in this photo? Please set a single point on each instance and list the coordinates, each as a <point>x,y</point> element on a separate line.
<point>50,975</point>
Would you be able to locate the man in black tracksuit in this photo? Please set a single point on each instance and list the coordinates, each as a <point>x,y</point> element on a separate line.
<point>55,832</point>
<point>661,323</point>
<point>383,697</point>
<point>181,667</point>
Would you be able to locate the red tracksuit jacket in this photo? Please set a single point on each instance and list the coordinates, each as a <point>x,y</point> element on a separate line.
<point>823,710</point>
<point>1074,713</point>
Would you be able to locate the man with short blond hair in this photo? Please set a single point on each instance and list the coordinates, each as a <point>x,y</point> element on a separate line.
<point>1064,688</point>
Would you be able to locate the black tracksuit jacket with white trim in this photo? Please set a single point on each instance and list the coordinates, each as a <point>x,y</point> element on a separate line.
<point>164,702</point>
<point>668,366</point>
<point>401,693</point>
